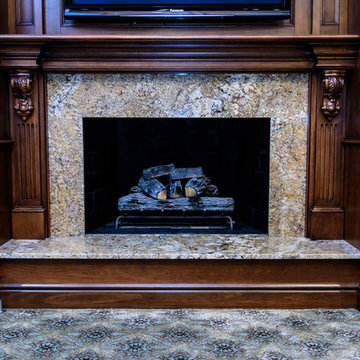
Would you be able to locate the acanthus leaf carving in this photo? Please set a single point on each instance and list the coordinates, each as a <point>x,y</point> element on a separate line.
<point>21,84</point>
<point>333,85</point>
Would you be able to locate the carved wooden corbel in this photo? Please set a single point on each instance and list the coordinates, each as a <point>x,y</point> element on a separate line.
<point>21,84</point>
<point>333,85</point>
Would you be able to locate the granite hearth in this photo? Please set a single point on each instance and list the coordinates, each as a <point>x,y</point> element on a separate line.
<point>182,247</point>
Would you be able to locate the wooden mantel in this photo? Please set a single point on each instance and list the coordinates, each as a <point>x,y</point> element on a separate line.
<point>26,59</point>
<point>172,52</point>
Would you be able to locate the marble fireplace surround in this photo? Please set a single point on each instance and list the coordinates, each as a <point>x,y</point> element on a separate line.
<point>281,97</point>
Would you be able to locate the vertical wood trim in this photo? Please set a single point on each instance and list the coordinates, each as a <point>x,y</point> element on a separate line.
<point>53,17</point>
<point>316,26</point>
<point>28,214</point>
<point>302,18</point>
<point>313,107</point>
<point>343,17</point>
<point>11,17</point>
<point>326,219</point>
<point>38,17</point>
<point>44,150</point>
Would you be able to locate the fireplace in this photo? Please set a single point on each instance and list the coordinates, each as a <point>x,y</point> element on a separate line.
<point>218,168</point>
<point>218,102</point>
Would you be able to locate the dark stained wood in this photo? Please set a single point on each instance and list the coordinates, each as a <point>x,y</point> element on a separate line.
<point>5,164</point>
<point>352,163</point>
<point>352,194</point>
<point>184,299</point>
<point>326,164</point>
<point>353,17</point>
<point>5,182</point>
<point>4,17</point>
<point>179,283</point>
<point>183,53</point>
<point>162,271</point>
<point>28,213</point>
<point>24,13</point>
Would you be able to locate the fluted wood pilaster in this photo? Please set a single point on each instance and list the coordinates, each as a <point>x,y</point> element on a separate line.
<point>28,214</point>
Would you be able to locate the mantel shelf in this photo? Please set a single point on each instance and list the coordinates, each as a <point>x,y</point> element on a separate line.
<point>174,52</point>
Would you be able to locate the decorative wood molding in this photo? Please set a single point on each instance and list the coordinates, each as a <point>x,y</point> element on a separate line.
<point>21,84</point>
<point>184,283</point>
<point>174,52</point>
<point>333,86</point>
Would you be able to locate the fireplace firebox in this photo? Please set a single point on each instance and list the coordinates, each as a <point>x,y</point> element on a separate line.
<point>232,155</point>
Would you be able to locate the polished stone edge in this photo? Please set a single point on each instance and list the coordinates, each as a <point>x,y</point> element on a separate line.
<point>247,247</point>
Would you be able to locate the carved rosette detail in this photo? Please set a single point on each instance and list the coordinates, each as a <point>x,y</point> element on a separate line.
<point>333,85</point>
<point>21,84</point>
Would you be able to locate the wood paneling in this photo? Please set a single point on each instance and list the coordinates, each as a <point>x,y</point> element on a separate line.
<point>24,12</point>
<point>4,17</point>
<point>330,17</point>
<point>5,183</point>
<point>352,163</point>
<point>353,17</point>
<point>184,299</point>
<point>5,164</point>
<point>333,272</point>
<point>179,283</point>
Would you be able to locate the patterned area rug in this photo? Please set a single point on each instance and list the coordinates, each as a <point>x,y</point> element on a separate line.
<point>180,334</point>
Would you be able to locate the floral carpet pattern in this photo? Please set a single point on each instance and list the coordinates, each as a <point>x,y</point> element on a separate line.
<point>182,334</point>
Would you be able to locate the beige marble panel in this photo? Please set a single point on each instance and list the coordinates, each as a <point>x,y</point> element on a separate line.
<point>281,97</point>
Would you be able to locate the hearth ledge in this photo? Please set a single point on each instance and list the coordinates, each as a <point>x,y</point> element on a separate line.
<point>247,247</point>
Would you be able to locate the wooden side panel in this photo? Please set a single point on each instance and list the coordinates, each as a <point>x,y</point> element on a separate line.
<point>352,161</point>
<point>330,17</point>
<point>5,182</point>
<point>28,214</point>
<point>28,16</point>
<point>5,166</point>
<point>352,194</point>
<point>4,17</point>
<point>326,220</point>
<point>353,17</point>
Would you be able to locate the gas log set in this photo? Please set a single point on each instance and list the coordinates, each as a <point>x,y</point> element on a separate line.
<point>171,190</point>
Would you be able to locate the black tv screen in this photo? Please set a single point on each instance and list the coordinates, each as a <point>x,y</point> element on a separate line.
<point>176,8</point>
<point>185,4</point>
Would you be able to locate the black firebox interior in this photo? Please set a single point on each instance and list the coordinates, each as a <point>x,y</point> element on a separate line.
<point>233,153</point>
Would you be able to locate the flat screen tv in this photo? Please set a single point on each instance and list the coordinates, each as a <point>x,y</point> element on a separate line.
<point>177,9</point>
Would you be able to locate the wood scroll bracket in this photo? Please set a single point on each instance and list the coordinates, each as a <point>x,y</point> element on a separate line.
<point>21,84</point>
<point>333,85</point>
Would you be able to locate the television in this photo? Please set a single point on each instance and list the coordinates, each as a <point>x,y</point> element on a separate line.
<point>177,9</point>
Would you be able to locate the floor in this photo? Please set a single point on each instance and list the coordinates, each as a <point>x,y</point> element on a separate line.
<point>180,334</point>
